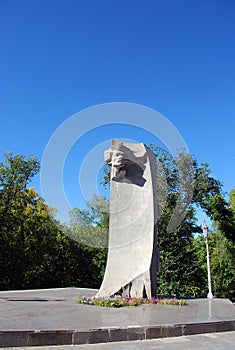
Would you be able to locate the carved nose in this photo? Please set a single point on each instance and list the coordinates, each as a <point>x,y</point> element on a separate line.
<point>115,172</point>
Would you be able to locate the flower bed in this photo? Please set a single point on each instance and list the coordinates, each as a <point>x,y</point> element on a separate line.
<point>118,301</point>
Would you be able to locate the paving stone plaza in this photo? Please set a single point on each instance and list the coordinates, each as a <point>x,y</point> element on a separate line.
<point>52,317</point>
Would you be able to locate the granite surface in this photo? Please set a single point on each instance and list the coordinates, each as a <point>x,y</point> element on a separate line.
<point>48,317</point>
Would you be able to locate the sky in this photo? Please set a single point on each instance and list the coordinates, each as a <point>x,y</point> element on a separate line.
<point>61,58</point>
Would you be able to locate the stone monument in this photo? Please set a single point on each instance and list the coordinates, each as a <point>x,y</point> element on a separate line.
<point>132,250</point>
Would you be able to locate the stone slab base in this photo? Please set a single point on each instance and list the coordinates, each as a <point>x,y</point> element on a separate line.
<point>92,336</point>
<point>52,317</point>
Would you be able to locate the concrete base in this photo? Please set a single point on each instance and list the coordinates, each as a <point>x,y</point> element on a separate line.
<point>52,317</point>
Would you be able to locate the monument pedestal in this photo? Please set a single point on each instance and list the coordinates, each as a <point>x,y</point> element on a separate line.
<point>52,317</point>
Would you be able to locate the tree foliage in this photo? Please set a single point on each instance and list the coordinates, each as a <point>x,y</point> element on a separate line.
<point>35,253</point>
<point>181,270</point>
<point>222,263</point>
<point>89,227</point>
<point>38,252</point>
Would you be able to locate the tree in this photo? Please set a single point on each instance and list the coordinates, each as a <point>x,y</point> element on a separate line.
<point>223,215</point>
<point>179,274</point>
<point>89,227</point>
<point>15,174</point>
<point>232,200</point>
<point>222,263</point>
<point>38,252</point>
<point>222,259</point>
<point>209,196</point>
<point>35,253</point>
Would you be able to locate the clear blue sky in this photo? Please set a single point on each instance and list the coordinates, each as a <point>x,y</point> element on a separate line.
<point>176,57</point>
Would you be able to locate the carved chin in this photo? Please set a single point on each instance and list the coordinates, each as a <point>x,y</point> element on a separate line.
<point>118,174</point>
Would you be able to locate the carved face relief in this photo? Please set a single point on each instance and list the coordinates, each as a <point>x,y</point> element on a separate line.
<point>118,163</point>
<point>117,158</point>
<point>124,165</point>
